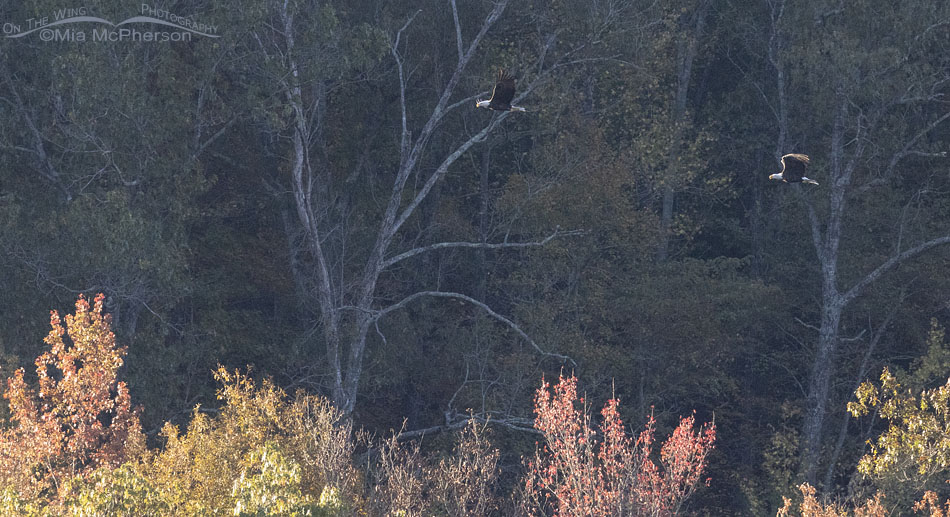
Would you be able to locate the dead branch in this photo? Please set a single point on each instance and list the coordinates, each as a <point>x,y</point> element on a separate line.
<point>891,263</point>
<point>448,294</point>
<point>484,245</point>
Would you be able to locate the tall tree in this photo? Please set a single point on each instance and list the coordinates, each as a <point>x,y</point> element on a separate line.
<point>689,40</point>
<point>878,101</point>
<point>349,296</point>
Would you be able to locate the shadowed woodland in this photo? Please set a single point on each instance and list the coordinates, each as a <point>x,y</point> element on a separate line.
<point>314,201</point>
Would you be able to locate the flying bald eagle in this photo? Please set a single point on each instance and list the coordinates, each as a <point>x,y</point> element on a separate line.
<point>793,169</point>
<point>502,94</point>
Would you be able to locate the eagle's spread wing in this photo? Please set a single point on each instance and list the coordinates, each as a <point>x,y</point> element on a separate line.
<point>504,90</point>
<point>794,167</point>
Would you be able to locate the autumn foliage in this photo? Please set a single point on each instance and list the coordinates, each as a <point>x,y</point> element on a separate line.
<point>80,417</point>
<point>262,453</point>
<point>74,446</point>
<point>583,471</point>
<point>811,506</point>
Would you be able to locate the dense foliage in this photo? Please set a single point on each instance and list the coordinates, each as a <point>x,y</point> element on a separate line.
<point>308,193</point>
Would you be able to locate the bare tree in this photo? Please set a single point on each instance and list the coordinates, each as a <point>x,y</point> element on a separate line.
<point>349,303</point>
<point>827,240</point>
<point>858,111</point>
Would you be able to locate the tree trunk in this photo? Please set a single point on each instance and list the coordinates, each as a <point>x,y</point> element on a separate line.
<point>689,46</point>
<point>817,400</point>
<point>832,303</point>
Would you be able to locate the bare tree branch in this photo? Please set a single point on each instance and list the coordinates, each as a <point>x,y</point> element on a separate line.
<point>515,423</point>
<point>200,148</point>
<point>458,28</point>
<point>441,110</point>
<point>484,245</point>
<point>391,224</point>
<point>45,165</point>
<point>404,136</point>
<point>448,294</point>
<point>807,325</point>
<point>441,170</point>
<point>891,263</point>
<point>905,151</point>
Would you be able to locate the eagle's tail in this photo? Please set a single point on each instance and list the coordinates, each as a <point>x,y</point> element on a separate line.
<point>519,109</point>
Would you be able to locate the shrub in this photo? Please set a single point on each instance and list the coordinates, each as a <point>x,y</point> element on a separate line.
<point>262,453</point>
<point>79,419</point>
<point>580,471</point>
<point>812,507</point>
<point>122,491</point>
<point>464,481</point>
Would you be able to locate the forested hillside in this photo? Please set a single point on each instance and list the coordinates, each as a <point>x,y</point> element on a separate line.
<point>305,192</point>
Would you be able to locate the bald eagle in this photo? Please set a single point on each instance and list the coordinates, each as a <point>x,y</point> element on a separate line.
<point>793,169</point>
<point>502,94</point>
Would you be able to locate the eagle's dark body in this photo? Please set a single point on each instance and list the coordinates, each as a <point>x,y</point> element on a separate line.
<point>793,169</point>
<point>502,94</point>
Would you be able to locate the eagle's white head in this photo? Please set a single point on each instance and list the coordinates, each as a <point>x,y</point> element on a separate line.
<point>776,176</point>
<point>482,104</point>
